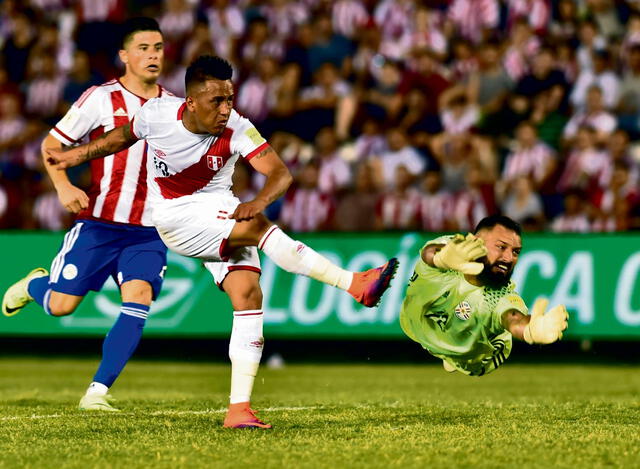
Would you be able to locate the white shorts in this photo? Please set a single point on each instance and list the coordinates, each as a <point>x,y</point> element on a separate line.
<point>198,226</point>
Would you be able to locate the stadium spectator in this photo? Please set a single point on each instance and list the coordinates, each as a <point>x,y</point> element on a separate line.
<point>587,165</point>
<point>226,24</point>
<point>306,207</point>
<point>530,158</point>
<point>399,153</point>
<point>472,19</point>
<point>397,208</point>
<point>522,202</point>
<point>574,219</point>
<point>334,173</point>
<point>594,115</point>
<point>628,108</point>
<point>475,201</point>
<point>601,75</point>
<point>436,204</point>
<point>354,209</point>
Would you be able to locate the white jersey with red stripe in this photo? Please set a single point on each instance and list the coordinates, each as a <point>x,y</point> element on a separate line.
<point>186,163</point>
<point>118,191</point>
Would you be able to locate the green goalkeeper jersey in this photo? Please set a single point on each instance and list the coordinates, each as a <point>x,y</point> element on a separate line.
<point>456,321</point>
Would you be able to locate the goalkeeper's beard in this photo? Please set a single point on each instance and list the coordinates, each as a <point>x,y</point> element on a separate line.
<point>493,278</point>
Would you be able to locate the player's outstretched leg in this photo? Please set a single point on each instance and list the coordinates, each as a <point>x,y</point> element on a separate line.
<point>296,257</point>
<point>20,295</point>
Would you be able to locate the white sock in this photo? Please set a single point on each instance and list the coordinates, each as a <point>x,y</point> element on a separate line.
<point>97,389</point>
<point>298,258</point>
<point>245,351</point>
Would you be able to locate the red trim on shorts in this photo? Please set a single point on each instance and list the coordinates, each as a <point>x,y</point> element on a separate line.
<point>231,268</point>
<point>181,110</point>
<point>256,151</point>
<point>119,159</point>
<point>73,140</point>
<point>257,270</point>
<point>271,230</point>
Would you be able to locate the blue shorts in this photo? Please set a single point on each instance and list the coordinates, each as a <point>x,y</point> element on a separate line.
<point>93,250</point>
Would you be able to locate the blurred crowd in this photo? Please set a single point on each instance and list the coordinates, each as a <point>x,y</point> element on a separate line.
<point>391,114</point>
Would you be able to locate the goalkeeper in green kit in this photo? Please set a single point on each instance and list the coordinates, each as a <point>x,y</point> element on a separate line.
<point>461,305</point>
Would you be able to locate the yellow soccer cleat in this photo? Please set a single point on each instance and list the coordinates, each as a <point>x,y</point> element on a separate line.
<point>17,296</point>
<point>97,403</point>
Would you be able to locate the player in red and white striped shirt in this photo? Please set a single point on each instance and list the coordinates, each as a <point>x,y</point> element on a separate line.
<point>112,235</point>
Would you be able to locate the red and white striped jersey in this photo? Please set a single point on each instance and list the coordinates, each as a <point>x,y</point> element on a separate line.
<point>183,163</point>
<point>435,211</point>
<point>399,211</point>
<point>537,13</point>
<point>118,191</point>
<point>347,16</point>
<point>531,162</point>
<point>306,210</point>
<point>470,17</point>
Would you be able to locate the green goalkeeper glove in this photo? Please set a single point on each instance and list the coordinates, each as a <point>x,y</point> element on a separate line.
<point>459,254</point>
<point>545,328</point>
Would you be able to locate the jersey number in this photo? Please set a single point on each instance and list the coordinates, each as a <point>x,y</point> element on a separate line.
<point>161,166</point>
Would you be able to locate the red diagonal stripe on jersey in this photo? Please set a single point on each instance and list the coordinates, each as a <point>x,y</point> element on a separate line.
<point>119,159</point>
<point>140,197</point>
<point>198,175</point>
<point>97,171</point>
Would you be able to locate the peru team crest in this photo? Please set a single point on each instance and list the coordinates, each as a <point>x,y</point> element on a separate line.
<point>215,163</point>
<point>463,310</point>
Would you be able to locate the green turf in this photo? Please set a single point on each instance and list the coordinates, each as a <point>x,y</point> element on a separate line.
<point>326,416</point>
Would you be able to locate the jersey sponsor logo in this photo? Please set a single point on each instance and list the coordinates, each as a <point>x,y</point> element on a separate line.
<point>214,163</point>
<point>159,153</point>
<point>463,311</point>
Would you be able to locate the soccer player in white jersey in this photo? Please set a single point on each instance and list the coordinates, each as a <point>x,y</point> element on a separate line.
<point>113,234</point>
<point>195,143</point>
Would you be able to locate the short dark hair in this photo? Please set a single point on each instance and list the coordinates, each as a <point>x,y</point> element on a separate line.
<point>134,25</point>
<point>205,68</point>
<point>493,220</point>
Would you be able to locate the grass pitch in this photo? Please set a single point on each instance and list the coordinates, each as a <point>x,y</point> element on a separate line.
<point>325,416</point>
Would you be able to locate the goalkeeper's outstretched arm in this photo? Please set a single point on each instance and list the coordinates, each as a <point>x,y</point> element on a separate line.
<point>460,253</point>
<point>541,327</point>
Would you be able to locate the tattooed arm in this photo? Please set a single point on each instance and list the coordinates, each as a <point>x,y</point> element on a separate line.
<point>112,142</point>
<point>279,179</point>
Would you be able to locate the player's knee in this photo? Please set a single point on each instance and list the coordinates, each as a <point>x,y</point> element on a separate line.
<point>61,306</point>
<point>136,291</point>
<point>247,297</point>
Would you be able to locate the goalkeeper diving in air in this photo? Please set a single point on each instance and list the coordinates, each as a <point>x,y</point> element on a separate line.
<point>461,305</point>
